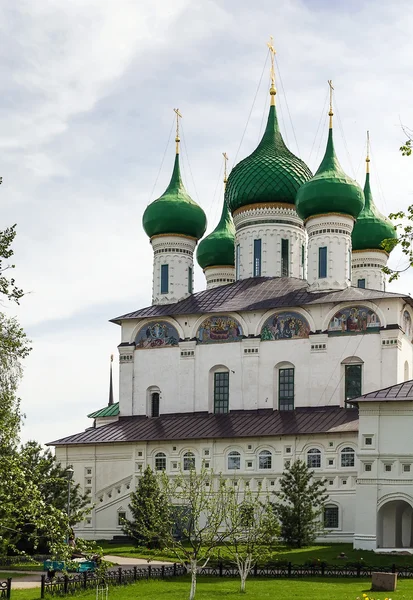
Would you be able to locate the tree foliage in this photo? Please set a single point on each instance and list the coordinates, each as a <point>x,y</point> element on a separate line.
<point>404,225</point>
<point>150,524</point>
<point>301,500</point>
<point>251,527</point>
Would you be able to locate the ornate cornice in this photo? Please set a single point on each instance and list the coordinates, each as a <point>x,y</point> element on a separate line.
<point>263,205</point>
<point>331,214</point>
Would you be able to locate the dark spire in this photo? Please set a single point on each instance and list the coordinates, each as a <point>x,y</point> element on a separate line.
<point>110,383</point>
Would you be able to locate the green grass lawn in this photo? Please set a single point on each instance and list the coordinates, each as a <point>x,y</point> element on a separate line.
<point>327,553</point>
<point>257,589</point>
<point>6,574</point>
<point>22,567</point>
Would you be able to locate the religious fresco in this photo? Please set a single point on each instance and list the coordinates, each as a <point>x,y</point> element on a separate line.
<point>220,328</point>
<point>407,324</point>
<point>354,319</point>
<point>157,334</point>
<point>285,325</point>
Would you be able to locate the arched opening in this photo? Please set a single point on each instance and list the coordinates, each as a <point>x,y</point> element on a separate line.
<point>219,389</point>
<point>395,525</point>
<point>352,376</point>
<point>153,401</point>
<point>284,386</point>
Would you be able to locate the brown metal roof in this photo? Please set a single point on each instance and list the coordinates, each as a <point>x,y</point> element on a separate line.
<point>257,293</point>
<point>402,392</point>
<point>202,425</point>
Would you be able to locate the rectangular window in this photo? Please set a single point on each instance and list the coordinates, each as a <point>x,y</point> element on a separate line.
<point>164,279</point>
<point>361,283</point>
<point>155,404</point>
<point>237,261</point>
<point>302,260</point>
<point>352,379</point>
<point>190,287</point>
<point>285,263</point>
<point>121,518</point>
<point>367,467</point>
<point>322,262</point>
<point>286,389</point>
<point>331,517</point>
<point>221,392</point>
<point>257,258</point>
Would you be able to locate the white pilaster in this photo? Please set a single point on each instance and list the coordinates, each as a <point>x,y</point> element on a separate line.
<point>271,224</point>
<point>368,265</point>
<point>177,252</point>
<point>331,231</point>
<point>216,276</point>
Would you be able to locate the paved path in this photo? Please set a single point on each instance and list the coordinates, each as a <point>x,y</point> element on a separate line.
<point>31,579</point>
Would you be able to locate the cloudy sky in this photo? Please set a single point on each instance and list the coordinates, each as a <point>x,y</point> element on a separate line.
<point>88,88</point>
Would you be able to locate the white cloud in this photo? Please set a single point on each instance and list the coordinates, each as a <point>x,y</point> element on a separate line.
<point>88,88</point>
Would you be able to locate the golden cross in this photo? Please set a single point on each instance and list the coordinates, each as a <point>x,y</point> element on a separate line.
<point>177,139</point>
<point>368,153</point>
<point>224,154</point>
<point>330,113</point>
<point>271,48</point>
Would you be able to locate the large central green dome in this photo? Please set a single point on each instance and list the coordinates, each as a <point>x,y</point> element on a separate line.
<point>270,174</point>
<point>330,190</point>
<point>174,212</point>
<point>218,248</point>
<point>371,228</point>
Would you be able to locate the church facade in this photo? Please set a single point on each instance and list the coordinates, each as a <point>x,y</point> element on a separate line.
<point>294,351</point>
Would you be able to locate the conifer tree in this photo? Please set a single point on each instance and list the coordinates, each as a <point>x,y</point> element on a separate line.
<point>150,524</point>
<point>301,500</point>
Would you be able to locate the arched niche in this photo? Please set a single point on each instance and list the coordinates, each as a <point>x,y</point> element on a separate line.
<point>156,334</point>
<point>218,329</point>
<point>407,324</point>
<point>285,325</point>
<point>352,320</point>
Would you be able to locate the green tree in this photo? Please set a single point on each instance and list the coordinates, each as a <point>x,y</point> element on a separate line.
<point>150,524</point>
<point>406,148</point>
<point>300,505</point>
<point>251,527</point>
<point>404,225</point>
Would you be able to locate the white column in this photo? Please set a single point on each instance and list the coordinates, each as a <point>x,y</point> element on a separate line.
<point>332,232</point>
<point>216,276</point>
<point>271,225</point>
<point>177,252</point>
<point>368,265</point>
<point>126,365</point>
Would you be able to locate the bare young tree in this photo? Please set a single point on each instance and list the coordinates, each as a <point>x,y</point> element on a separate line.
<point>251,527</point>
<point>197,501</point>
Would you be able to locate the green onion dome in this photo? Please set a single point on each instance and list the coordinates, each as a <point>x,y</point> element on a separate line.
<point>174,212</point>
<point>271,174</point>
<point>330,190</point>
<point>218,248</point>
<point>371,228</point>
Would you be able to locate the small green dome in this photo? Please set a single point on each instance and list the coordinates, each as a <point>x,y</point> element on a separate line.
<point>218,248</point>
<point>371,228</point>
<point>330,190</point>
<point>174,212</point>
<point>270,174</point>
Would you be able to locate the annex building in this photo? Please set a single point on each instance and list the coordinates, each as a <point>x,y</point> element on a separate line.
<point>294,351</point>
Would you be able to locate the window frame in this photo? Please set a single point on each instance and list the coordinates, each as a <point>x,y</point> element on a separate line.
<point>188,463</point>
<point>313,452</point>
<point>347,383</point>
<point>285,399</point>
<point>265,459</point>
<point>190,283</point>
<point>256,269</point>
<point>322,262</point>
<point>327,516</point>
<point>153,401</point>
<point>234,455</point>
<point>359,281</point>
<point>345,453</point>
<point>160,456</point>
<point>285,257</point>
<point>123,513</point>
<point>221,405</point>
<point>165,278</point>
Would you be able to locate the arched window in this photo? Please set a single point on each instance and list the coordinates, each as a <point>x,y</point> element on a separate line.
<point>189,461</point>
<point>353,371</point>
<point>347,457</point>
<point>160,461</point>
<point>155,404</point>
<point>265,459</point>
<point>234,460</point>
<point>314,458</point>
<point>331,520</point>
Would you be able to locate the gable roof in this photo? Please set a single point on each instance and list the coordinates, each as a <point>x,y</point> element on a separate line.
<point>203,425</point>
<point>111,410</point>
<point>258,293</point>
<point>401,392</point>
